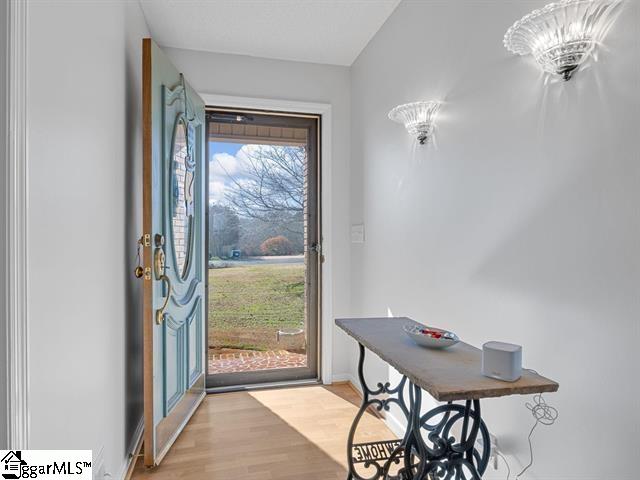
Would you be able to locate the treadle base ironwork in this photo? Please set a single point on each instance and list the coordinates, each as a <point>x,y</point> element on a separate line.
<point>433,446</point>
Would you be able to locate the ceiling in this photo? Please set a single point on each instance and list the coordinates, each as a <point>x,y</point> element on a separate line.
<point>320,31</point>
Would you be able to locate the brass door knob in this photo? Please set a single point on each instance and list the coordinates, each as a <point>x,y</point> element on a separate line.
<point>139,271</point>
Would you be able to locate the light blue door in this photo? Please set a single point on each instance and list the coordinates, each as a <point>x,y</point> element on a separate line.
<point>173,240</point>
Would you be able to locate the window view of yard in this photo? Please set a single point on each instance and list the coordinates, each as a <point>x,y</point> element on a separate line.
<point>249,304</point>
<point>256,257</point>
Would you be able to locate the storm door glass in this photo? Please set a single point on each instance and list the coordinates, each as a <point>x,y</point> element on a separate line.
<point>263,255</point>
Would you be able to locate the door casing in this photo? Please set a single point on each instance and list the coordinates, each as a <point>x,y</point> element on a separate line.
<point>325,111</point>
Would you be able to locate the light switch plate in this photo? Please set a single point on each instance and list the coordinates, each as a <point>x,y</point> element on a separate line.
<point>357,233</point>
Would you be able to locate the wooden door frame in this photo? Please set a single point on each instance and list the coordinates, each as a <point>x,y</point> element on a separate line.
<point>325,327</point>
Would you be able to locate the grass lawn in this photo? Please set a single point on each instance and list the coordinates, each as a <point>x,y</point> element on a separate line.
<point>249,304</point>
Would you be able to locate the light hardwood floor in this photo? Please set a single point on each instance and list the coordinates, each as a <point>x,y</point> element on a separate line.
<point>293,433</point>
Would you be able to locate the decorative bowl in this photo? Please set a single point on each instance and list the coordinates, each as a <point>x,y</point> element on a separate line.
<point>431,337</point>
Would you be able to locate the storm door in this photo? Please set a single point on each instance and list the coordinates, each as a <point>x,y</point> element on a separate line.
<point>264,250</point>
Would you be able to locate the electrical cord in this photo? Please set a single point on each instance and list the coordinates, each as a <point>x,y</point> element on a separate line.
<point>544,414</point>
<point>506,464</point>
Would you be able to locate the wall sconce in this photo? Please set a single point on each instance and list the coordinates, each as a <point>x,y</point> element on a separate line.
<point>561,35</point>
<point>417,117</point>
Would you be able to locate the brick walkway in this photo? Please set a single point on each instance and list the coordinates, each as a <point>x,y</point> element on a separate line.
<point>252,361</point>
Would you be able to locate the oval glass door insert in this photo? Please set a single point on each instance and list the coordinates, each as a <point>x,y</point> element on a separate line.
<point>182,197</point>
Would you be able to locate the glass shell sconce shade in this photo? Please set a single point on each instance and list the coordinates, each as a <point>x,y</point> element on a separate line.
<point>417,117</point>
<point>561,35</point>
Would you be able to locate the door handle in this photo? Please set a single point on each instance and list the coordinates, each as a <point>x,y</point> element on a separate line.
<point>160,266</point>
<point>160,311</point>
<point>140,271</point>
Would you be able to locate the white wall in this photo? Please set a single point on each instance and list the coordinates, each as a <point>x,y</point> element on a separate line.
<point>4,7</point>
<point>275,79</point>
<point>521,223</point>
<point>84,179</point>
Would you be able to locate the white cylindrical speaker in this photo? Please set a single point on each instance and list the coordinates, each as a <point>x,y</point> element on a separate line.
<point>502,361</point>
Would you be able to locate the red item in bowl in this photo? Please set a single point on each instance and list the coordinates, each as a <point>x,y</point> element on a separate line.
<point>431,333</point>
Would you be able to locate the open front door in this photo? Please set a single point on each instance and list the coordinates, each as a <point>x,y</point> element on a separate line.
<point>173,240</point>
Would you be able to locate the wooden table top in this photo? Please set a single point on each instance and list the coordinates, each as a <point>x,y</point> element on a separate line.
<point>449,374</point>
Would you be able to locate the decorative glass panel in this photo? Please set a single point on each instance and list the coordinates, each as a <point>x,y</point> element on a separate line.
<point>182,197</point>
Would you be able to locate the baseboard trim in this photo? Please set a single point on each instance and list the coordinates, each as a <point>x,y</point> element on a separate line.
<point>397,426</point>
<point>98,466</point>
<point>130,463</point>
<point>339,378</point>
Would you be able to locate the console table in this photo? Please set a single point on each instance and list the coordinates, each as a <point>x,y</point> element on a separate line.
<point>431,448</point>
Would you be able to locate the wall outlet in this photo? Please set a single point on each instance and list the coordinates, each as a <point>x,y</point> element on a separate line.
<point>494,449</point>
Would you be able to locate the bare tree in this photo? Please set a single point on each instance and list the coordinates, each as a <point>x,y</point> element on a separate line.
<point>271,185</point>
<point>224,230</point>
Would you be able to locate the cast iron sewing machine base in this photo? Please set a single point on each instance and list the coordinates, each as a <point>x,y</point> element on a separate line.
<point>431,449</point>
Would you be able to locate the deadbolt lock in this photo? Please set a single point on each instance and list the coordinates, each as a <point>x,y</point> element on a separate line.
<point>159,262</point>
<point>159,258</point>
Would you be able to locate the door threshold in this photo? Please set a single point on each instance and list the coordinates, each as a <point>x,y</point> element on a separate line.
<point>264,386</point>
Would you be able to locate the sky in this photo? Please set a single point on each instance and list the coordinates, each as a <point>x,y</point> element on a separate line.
<point>224,147</point>
<point>223,162</point>
<point>229,166</point>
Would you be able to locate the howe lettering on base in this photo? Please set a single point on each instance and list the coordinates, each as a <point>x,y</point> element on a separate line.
<point>366,452</point>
